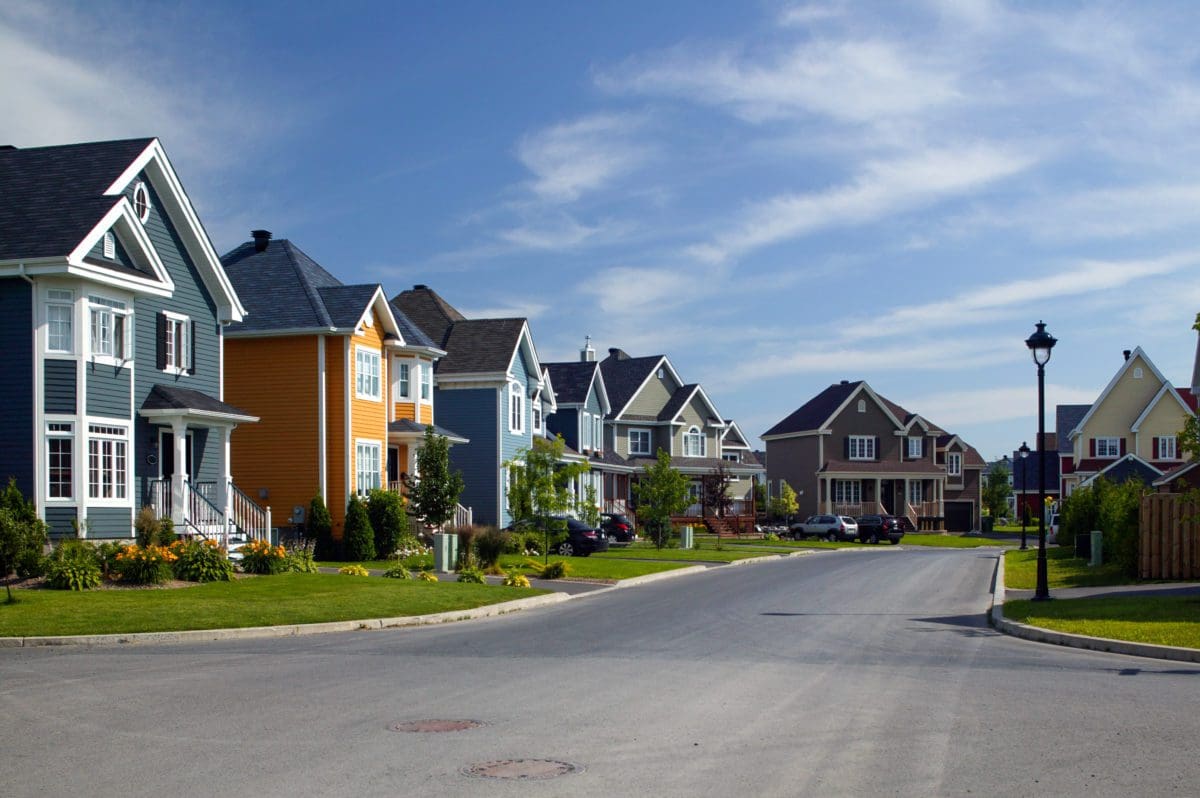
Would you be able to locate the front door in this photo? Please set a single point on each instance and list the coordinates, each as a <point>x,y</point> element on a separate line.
<point>887,491</point>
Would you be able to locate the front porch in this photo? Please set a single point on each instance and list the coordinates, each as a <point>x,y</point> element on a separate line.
<point>919,499</point>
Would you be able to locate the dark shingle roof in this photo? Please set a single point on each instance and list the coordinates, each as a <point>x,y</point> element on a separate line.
<point>51,197</point>
<point>680,398</point>
<point>346,304</point>
<point>170,397</point>
<point>624,375</point>
<point>280,287</point>
<point>1131,468</point>
<point>480,345</point>
<point>426,309</point>
<point>1025,471</point>
<point>412,334</point>
<point>1067,418</point>
<point>408,425</point>
<point>816,411</point>
<point>571,380</point>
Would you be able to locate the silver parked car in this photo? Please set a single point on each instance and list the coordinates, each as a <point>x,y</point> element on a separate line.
<point>829,527</point>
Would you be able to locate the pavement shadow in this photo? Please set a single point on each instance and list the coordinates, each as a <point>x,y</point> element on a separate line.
<point>974,625</point>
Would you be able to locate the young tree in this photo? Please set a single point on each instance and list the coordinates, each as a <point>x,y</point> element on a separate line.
<point>997,490</point>
<point>388,519</point>
<point>714,487</point>
<point>22,535</point>
<point>539,485</point>
<point>359,538</point>
<point>320,530</point>
<point>785,504</point>
<point>661,493</point>
<point>433,493</point>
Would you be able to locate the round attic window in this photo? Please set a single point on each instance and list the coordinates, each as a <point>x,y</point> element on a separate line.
<point>141,201</point>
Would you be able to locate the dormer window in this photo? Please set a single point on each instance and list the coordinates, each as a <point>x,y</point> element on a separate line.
<point>954,464</point>
<point>915,449</point>
<point>141,202</point>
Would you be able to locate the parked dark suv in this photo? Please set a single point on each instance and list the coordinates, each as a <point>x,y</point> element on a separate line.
<point>579,541</point>
<point>618,527</point>
<point>874,528</point>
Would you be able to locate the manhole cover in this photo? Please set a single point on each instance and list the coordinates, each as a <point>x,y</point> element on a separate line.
<point>522,769</point>
<point>435,725</point>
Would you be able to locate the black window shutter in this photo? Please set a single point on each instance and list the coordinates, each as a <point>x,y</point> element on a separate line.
<point>878,455</point>
<point>161,336</point>
<point>846,447</point>
<point>192,354</point>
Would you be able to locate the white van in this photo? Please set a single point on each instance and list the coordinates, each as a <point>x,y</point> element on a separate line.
<point>1052,529</point>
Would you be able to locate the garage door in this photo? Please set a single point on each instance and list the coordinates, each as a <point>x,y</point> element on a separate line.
<point>960,516</point>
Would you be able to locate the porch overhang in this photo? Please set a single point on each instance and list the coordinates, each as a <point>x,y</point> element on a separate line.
<point>169,404</point>
<point>409,431</point>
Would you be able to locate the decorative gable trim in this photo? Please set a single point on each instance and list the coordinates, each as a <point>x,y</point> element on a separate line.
<point>1128,364</point>
<point>720,422</point>
<point>663,362</point>
<point>383,309</point>
<point>862,388</point>
<point>1165,390</point>
<point>601,390</point>
<point>122,219</point>
<point>534,365</point>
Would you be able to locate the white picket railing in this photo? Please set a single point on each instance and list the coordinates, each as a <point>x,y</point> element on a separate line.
<point>252,521</point>
<point>245,521</point>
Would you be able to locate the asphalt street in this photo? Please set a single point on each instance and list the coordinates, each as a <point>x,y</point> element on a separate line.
<point>860,672</point>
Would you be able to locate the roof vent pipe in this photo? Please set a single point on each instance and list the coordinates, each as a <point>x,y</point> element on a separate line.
<point>261,239</point>
<point>1127,353</point>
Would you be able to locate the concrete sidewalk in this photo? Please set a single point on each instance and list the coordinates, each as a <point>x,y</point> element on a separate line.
<point>1038,634</point>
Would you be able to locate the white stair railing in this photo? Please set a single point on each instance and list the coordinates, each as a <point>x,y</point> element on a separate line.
<point>247,517</point>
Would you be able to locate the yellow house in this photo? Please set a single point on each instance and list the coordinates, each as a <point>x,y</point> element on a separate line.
<point>338,381</point>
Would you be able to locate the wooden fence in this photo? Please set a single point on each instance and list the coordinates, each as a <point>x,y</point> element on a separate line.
<point>1169,545</point>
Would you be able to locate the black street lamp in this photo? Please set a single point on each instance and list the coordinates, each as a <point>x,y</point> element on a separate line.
<point>1024,452</point>
<point>1040,344</point>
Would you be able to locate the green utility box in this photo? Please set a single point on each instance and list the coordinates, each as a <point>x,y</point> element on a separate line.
<point>445,552</point>
<point>686,538</point>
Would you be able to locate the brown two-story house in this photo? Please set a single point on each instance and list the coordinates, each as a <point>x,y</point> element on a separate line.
<point>850,451</point>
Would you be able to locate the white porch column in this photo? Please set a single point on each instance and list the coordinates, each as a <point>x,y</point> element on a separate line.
<point>878,494</point>
<point>224,495</point>
<point>828,495</point>
<point>179,478</point>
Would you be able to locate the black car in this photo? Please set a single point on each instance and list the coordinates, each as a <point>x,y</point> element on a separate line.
<point>874,528</point>
<point>580,539</point>
<point>618,527</point>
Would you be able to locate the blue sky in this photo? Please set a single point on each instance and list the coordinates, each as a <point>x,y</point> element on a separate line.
<point>778,196</point>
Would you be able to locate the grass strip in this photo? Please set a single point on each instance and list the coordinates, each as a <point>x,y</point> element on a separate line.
<point>1161,620</point>
<point>256,601</point>
<point>950,541</point>
<point>1063,569</point>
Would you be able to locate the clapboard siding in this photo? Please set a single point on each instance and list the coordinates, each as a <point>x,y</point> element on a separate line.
<point>59,386</point>
<point>16,387</point>
<point>109,522</point>
<point>108,390</point>
<point>61,521</point>
<point>472,414</point>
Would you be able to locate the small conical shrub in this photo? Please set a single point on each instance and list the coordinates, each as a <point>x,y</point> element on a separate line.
<point>320,530</point>
<point>359,538</point>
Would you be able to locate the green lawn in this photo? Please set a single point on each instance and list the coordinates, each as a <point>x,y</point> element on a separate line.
<point>1162,620</point>
<point>259,601</point>
<point>951,541</point>
<point>1062,570</point>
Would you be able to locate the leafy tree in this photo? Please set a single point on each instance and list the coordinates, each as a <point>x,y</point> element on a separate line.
<point>22,535</point>
<point>320,530</point>
<point>386,511</point>
<point>661,493</point>
<point>714,487</point>
<point>760,497</point>
<point>539,485</point>
<point>1189,438</point>
<point>433,493</point>
<point>996,490</point>
<point>785,505</point>
<point>359,538</point>
<point>587,509</point>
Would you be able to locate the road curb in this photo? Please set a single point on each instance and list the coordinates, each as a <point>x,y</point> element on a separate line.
<point>287,630</point>
<point>1039,634</point>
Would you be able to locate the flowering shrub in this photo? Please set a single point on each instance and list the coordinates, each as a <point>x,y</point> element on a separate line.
<point>201,561</point>
<point>353,570</point>
<point>398,572</point>
<point>516,580</point>
<point>73,565</point>
<point>300,557</point>
<point>145,565</point>
<point>427,576</point>
<point>260,557</point>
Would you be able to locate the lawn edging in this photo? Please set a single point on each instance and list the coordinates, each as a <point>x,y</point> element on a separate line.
<point>1041,635</point>
<point>285,630</point>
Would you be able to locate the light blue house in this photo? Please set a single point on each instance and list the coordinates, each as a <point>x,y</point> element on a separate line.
<point>112,306</point>
<point>489,389</point>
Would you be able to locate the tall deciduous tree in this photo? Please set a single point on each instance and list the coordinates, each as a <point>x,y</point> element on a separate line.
<point>714,490</point>
<point>539,485</point>
<point>434,491</point>
<point>997,490</point>
<point>661,493</point>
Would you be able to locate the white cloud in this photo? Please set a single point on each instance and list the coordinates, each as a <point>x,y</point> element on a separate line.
<point>881,188</point>
<point>515,309</point>
<point>571,159</point>
<point>979,406</point>
<point>561,232</point>
<point>821,356</point>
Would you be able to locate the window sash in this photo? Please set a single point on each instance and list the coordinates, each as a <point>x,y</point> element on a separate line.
<point>847,491</point>
<point>366,374</point>
<point>403,381</point>
<point>516,408</point>
<point>60,463</point>
<point>639,441</point>
<point>1166,447</point>
<point>426,375</point>
<point>914,448</point>
<point>693,443</point>
<point>862,447</point>
<point>107,462</point>
<point>954,464</point>
<point>367,459</point>
<point>59,337</point>
<point>916,493</point>
<point>1108,447</point>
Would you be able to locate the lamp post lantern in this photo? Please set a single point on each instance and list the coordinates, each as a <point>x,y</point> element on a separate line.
<point>1024,452</point>
<point>1040,344</point>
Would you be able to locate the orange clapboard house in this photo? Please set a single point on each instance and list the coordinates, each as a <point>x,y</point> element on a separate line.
<point>323,365</point>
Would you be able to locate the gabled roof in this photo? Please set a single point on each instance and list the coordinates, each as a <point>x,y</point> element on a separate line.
<point>171,400</point>
<point>406,426</point>
<point>286,291</point>
<point>971,456</point>
<point>1167,390</point>
<point>428,311</point>
<point>1175,473</point>
<point>818,413</point>
<point>57,202</point>
<point>1066,418</point>
<point>483,346</point>
<point>1124,469</point>
<point>732,437</point>
<point>624,377</point>
<point>1129,361</point>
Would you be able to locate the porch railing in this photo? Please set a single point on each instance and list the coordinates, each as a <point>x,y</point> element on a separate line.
<point>247,517</point>
<point>203,517</point>
<point>855,509</point>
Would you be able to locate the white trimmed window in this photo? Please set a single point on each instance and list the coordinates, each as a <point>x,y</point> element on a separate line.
<point>1108,447</point>
<point>367,466</point>
<point>916,493</point>
<point>639,441</point>
<point>732,458</point>
<point>516,408</point>
<point>535,414</point>
<point>426,377</point>
<point>585,430</point>
<point>915,449</point>
<point>403,381</point>
<point>141,202</point>
<point>60,462</point>
<point>694,444</point>
<point>847,491</point>
<point>60,313</point>
<point>177,343</point>
<point>1167,449</point>
<point>954,464</point>
<point>108,462</point>
<point>862,447</point>
<point>110,325</point>
<point>366,373</point>
<point>598,433</point>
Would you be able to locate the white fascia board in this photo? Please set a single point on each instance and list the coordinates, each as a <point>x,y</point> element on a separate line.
<point>383,309</point>
<point>525,340</point>
<point>211,416</point>
<point>808,433</point>
<point>1134,355</point>
<point>157,166</point>
<point>662,363</point>
<point>1167,388</point>
<point>121,218</point>
<point>601,390</point>
<point>288,331</point>
<point>863,387</point>
<point>488,379</point>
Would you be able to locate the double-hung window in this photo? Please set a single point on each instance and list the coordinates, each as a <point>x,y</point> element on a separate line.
<point>108,462</point>
<point>639,441</point>
<point>60,448</point>
<point>862,447</point>
<point>847,491</point>
<point>954,464</point>
<point>585,430</point>
<point>110,328</point>
<point>1108,447</point>
<point>914,448</point>
<point>516,407</point>
<point>916,493</point>
<point>694,443</point>
<point>366,373</point>
<point>176,343</point>
<point>403,381</point>
<point>598,433</point>
<point>367,466</point>
<point>426,374</point>
<point>1167,449</point>
<point>60,311</point>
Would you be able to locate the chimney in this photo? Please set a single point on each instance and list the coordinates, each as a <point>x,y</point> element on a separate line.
<point>617,354</point>
<point>420,287</point>
<point>261,239</point>
<point>1127,353</point>
<point>587,354</point>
